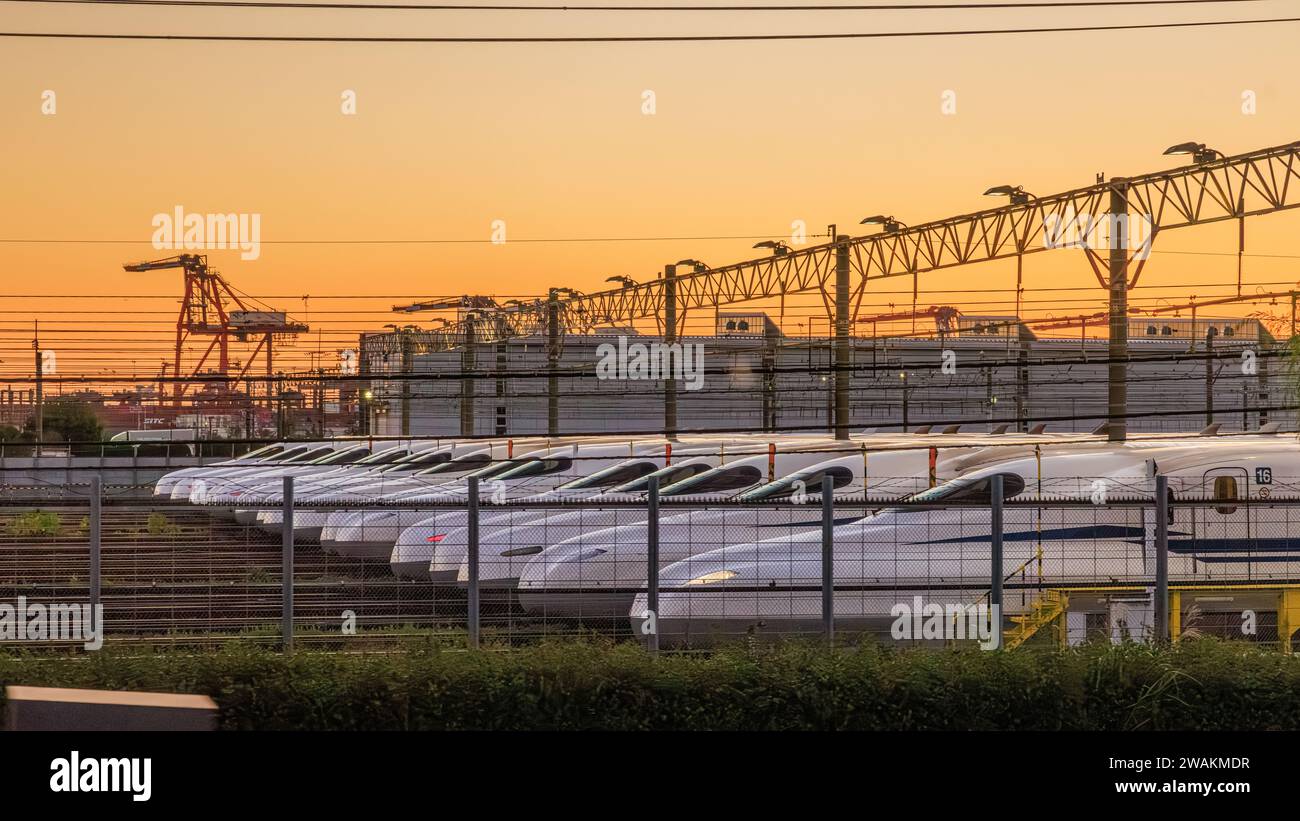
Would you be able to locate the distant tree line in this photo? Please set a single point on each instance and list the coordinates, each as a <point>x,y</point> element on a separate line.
<point>62,420</point>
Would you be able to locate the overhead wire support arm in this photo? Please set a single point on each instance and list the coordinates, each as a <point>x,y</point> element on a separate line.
<point>1228,188</point>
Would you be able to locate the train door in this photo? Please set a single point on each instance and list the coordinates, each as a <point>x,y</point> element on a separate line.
<point>1226,530</point>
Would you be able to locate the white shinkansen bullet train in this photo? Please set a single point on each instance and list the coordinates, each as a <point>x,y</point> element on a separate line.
<point>374,500</point>
<point>773,586</point>
<point>428,464</point>
<point>717,470</point>
<point>436,548</point>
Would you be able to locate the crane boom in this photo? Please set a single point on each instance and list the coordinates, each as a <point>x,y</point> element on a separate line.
<point>203,313</point>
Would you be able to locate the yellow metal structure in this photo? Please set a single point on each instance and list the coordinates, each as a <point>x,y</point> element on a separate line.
<point>1054,604</point>
<point>1044,611</point>
<point>1288,616</point>
<point>1175,614</point>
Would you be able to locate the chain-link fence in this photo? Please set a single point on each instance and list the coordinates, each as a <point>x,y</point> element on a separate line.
<point>992,559</point>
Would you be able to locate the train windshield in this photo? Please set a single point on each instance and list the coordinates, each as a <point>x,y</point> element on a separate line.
<point>538,467</point>
<point>806,482</point>
<point>969,490</point>
<point>264,452</point>
<point>347,456</point>
<point>303,455</point>
<point>470,462</point>
<point>717,480</point>
<point>417,461</point>
<point>613,475</point>
<point>383,457</point>
<point>667,476</point>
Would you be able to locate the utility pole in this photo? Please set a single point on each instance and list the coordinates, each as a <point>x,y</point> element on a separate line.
<point>1261,382</point>
<point>38,411</point>
<point>670,337</point>
<point>1209,375</point>
<point>280,418</point>
<point>552,362</point>
<point>501,386</point>
<point>769,381</point>
<point>363,387</point>
<point>467,380</point>
<point>903,376</point>
<point>990,401</point>
<point>1117,394</point>
<point>404,337</point>
<point>842,349</point>
<point>1022,388</point>
<point>320,399</point>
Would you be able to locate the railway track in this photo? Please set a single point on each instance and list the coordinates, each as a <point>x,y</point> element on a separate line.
<point>190,576</point>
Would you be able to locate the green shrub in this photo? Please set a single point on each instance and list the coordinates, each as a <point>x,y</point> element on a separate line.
<point>34,523</point>
<point>159,525</point>
<point>1204,684</point>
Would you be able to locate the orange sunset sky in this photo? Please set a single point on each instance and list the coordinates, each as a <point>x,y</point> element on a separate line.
<point>551,138</point>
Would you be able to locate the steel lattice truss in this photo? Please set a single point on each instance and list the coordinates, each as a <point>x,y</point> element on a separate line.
<point>1245,185</point>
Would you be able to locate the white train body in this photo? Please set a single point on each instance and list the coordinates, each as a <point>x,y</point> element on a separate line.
<point>774,586</point>
<point>167,483</point>
<point>436,546</point>
<point>598,572</point>
<point>179,485</point>
<point>372,533</point>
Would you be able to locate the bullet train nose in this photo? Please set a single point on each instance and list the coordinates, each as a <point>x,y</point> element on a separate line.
<point>699,603</point>
<point>308,525</point>
<point>413,548</point>
<point>577,579</point>
<point>247,516</point>
<point>419,553</point>
<point>165,485</point>
<point>333,522</point>
<point>508,542</point>
<point>272,521</point>
<point>371,534</point>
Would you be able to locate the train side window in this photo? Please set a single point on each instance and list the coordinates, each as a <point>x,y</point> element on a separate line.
<point>1225,489</point>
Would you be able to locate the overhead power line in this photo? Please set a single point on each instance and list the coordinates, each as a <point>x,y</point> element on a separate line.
<point>531,240</point>
<point>639,38</point>
<point>666,8</point>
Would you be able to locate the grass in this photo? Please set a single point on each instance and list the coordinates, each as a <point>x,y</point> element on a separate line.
<point>1202,684</point>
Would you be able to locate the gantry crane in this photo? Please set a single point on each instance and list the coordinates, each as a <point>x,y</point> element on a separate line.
<point>203,313</point>
<point>945,318</point>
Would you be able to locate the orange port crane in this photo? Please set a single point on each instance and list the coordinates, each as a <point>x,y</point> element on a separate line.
<point>203,313</point>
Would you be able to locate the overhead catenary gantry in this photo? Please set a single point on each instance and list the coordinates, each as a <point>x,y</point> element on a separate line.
<point>1215,188</point>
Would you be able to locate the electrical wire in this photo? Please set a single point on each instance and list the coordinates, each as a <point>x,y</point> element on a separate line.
<point>264,4</point>
<point>637,38</point>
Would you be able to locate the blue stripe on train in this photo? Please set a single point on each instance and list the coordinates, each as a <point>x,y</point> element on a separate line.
<point>1179,544</point>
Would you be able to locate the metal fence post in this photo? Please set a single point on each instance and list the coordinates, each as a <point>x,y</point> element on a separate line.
<point>286,568</point>
<point>472,625</point>
<point>828,564</point>
<point>652,565</point>
<point>96,546</point>
<point>1162,559</point>
<point>995,559</point>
